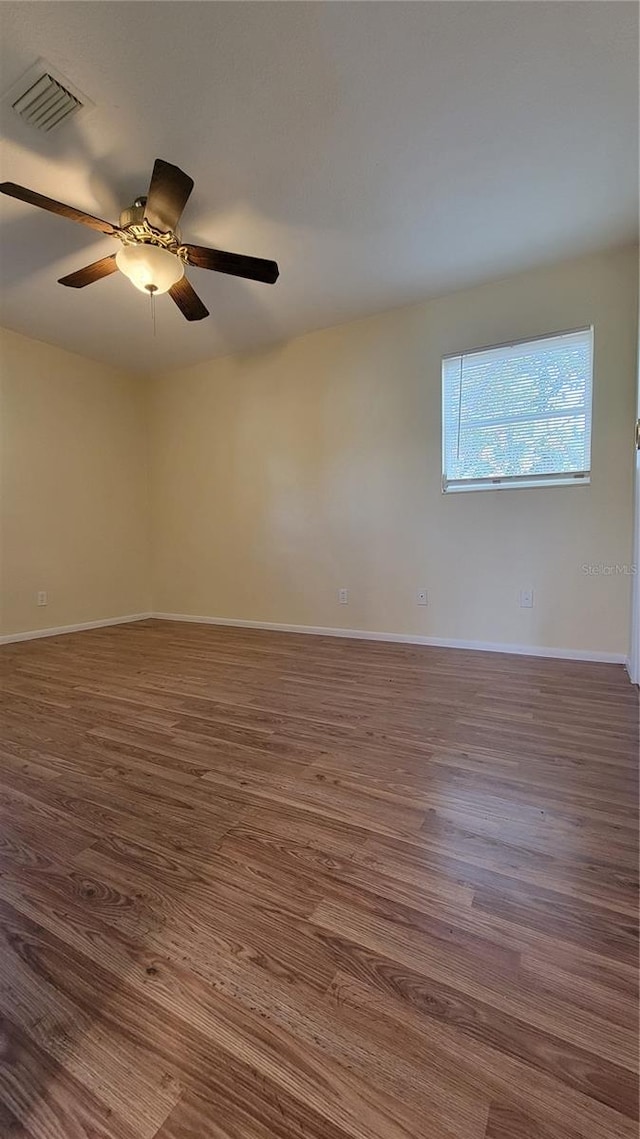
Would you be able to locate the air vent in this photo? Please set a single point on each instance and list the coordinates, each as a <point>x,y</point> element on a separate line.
<point>44,98</point>
<point>46,104</point>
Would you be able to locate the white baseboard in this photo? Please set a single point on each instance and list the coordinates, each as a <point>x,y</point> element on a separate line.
<point>403,638</point>
<point>32,634</point>
<point>323,631</point>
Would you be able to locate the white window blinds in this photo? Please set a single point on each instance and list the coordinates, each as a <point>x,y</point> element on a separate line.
<point>518,415</point>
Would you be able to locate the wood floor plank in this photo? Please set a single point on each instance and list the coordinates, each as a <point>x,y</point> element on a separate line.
<point>238,1115</point>
<point>499,1074</point>
<point>509,1122</point>
<point>484,862</point>
<point>498,984</point>
<point>266,886</point>
<point>189,1028</point>
<point>46,1099</point>
<point>428,1003</point>
<point>119,1075</point>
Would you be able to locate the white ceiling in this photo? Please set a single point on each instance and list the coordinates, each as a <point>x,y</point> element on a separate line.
<point>380,152</point>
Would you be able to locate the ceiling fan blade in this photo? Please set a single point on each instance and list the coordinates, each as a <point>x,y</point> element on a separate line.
<point>54,207</point>
<point>90,273</point>
<point>253,268</point>
<point>188,300</point>
<point>168,195</point>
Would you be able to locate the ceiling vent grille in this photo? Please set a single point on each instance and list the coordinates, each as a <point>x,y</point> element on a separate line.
<point>46,103</point>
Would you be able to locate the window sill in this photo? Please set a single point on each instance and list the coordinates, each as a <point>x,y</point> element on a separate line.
<point>516,484</point>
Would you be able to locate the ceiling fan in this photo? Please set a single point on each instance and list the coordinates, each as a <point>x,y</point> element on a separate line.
<point>152,255</point>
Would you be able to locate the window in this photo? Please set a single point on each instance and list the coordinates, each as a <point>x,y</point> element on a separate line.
<point>519,414</point>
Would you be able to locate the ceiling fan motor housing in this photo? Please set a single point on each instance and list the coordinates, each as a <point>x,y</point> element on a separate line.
<point>133,215</point>
<point>135,229</point>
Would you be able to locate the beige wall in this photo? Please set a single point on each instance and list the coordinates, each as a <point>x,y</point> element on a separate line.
<point>275,479</point>
<point>73,482</point>
<point>280,477</point>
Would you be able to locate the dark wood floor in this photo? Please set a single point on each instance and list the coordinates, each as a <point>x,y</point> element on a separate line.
<point>260,886</point>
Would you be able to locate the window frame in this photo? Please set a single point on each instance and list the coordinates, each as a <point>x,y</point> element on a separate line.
<point>518,482</point>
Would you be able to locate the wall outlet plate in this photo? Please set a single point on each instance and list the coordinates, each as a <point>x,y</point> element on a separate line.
<point>526,599</point>
<point>422,597</point>
<point>343,596</point>
<point>42,597</point>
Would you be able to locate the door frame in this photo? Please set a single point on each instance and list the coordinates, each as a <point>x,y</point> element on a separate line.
<point>634,641</point>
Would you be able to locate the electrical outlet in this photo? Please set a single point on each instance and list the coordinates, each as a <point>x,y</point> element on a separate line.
<point>423,597</point>
<point>343,596</point>
<point>526,599</point>
<point>42,597</point>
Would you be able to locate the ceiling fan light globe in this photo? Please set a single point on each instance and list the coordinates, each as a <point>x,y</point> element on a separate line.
<point>149,267</point>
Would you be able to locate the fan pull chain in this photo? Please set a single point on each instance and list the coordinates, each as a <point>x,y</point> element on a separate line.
<point>152,294</point>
